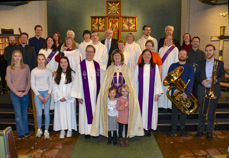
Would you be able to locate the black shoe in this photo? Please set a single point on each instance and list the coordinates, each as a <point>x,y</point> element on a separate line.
<point>209,136</point>
<point>87,136</point>
<point>27,135</point>
<point>172,134</point>
<point>199,134</point>
<point>115,140</point>
<point>184,134</point>
<point>21,137</point>
<point>109,141</point>
<point>148,133</point>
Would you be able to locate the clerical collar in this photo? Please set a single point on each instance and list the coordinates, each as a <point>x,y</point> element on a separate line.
<point>69,49</point>
<point>37,37</point>
<point>89,60</point>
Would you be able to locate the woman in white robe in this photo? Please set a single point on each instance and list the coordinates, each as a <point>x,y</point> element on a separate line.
<point>70,50</point>
<point>64,112</point>
<point>169,55</point>
<point>149,72</point>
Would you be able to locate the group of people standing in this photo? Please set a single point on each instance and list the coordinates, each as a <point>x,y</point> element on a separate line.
<point>116,84</point>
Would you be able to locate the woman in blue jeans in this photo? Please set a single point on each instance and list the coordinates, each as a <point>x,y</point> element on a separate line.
<point>18,80</point>
<point>41,84</point>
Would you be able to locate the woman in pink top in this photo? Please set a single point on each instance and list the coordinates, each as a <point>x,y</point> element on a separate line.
<point>123,114</point>
<point>18,80</point>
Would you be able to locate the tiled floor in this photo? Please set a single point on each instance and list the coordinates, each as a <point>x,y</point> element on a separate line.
<point>178,146</point>
<point>54,147</point>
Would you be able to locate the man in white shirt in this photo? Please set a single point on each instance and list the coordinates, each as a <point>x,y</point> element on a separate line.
<point>146,36</point>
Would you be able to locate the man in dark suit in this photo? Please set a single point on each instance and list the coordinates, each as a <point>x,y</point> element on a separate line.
<point>204,78</point>
<point>28,52</point>
<point>110,43</point>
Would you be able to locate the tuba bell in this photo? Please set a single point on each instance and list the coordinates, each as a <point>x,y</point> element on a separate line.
<point>188,105</point>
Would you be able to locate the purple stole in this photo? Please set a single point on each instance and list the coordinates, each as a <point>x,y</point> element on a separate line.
<point>151,92</point>
<point>86,87</point>
<point>167,53</point>
<point>51,55</point>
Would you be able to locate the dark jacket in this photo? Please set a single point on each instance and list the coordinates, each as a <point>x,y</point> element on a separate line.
<point>29,56</point>
<point>201,75</point>
<point>114,45</point>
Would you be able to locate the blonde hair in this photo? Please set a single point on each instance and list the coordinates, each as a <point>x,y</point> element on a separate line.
<point>74,46</point>
<point>125,87</point>
<point>43,57</point>
<point>13,62</point>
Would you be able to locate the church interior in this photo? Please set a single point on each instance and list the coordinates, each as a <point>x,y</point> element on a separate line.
<point>207,19</point>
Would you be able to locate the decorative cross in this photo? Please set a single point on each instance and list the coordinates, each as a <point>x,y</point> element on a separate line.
<point>114,20</point>
<point>221,38</point>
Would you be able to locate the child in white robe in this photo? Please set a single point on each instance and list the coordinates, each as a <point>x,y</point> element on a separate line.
<point>64,108</point>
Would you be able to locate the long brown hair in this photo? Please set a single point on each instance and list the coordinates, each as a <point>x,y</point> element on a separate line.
<point>13,62</point>
<point>68,72</point>
<point>142,63</point>
<point>45,46</point>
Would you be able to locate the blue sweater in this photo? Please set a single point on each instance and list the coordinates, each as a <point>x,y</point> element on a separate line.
<point>37,43</point>
<point>188,74</point>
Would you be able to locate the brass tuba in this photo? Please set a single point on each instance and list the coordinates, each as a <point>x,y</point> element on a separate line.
<point>188,105</point>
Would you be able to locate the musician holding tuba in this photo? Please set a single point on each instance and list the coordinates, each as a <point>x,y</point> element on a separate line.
<point>187,76</point>
<point>209,73</point>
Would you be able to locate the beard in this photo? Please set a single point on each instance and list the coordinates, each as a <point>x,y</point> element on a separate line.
<point>182,59</point>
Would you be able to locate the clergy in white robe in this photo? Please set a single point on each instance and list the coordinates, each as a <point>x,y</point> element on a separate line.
<point>169,55</point>
<point>100,120</point>
<point>101,54</point>
<point>149,88</point>
<point>145,37</point>
<point>64,111</point>
<point>50,53</point>
<point>86,88</point>
<point>71,52</point>
<point>133,50</point>
<point>87,41</point>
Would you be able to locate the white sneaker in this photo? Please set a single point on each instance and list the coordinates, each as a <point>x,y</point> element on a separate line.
<point>62,134</point>
<point>69,134</point>
<point>46,134</point>
<point>39,133</point>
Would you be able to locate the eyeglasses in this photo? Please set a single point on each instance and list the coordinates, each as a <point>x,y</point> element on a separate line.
<point>90,51</point>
